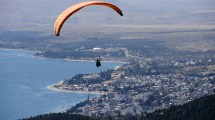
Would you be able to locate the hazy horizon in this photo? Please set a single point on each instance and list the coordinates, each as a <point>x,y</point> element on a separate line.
<point>145,12</point>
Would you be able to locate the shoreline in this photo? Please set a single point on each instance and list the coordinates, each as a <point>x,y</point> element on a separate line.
<point>19,49</point>
<point>63,59</point>
<point>51,87</point>
<point>76,60</point>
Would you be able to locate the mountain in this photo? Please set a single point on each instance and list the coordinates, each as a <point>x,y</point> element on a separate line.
<point>200,109</point>
<point>38,12</point>
<point>44,12</point>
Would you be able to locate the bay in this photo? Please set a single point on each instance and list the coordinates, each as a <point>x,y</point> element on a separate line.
<point>24,80</point>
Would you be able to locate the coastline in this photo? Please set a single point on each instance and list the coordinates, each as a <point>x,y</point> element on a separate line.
<point>51,87</point>
<point>76,60</point>
<point>63,59</point>
<point>19,50</point>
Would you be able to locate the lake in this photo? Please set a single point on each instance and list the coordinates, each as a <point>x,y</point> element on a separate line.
<point>24,80</point>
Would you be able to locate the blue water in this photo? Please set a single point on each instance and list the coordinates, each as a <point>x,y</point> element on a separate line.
<point>24,78</point>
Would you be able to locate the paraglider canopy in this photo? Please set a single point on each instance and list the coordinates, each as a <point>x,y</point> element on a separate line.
<point>71,10</point>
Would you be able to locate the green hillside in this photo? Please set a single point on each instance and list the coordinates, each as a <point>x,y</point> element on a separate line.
<point>200,109</point>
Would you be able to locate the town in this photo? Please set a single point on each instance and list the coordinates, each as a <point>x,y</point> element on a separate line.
<point>145,85</point>
<point>160,68</point>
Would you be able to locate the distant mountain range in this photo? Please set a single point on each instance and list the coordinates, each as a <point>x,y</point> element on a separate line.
<point>16,12</point>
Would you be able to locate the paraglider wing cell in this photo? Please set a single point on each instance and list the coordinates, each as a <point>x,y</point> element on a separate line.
<point>71,10</point>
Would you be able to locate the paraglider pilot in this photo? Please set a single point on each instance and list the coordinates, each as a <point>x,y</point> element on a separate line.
<point>98,62</point>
